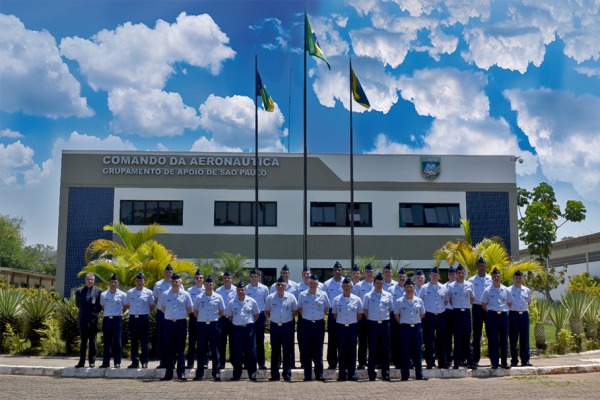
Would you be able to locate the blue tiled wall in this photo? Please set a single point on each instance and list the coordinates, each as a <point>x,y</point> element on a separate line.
<point>89,210</point>
<point>489,215</point>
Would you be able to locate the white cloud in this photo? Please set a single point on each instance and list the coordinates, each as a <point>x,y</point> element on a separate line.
<point>329,37</point>
<point>380,87</point>
<point>278,40</point>
<point>210,145</point>
<point>33,190</point>
<point>446,93</point>
<point>509,46</point>
<point>564,129</point>
<point>140,57</point>
<point>10,134</point>
<point>31,70</point>
<point>150,113</point>
<point>589,71</point>
<point>230,120</point>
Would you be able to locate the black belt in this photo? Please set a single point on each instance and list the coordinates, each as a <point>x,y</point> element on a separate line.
<point>138,315</point>
<point>435,313</point>
<point>313,320</point>
<point>347,325</point>
<point>411,325</point>
<point>497,312</point>
<point>518,312</point>
<point>175,320</point>
<point>113,317</point>
<point>243,326</point>
<point>207,322</point>
<point>281,323</point>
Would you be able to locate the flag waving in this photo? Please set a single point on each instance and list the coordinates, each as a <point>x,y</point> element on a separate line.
<point>357,91</point>
<point>311,43</point>
<point>261,90</point>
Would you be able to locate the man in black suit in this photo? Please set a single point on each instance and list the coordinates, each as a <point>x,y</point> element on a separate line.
<point>87,299</point>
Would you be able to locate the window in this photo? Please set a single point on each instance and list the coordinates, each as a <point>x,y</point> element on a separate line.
<point>339,214</point>
<point>146,212</point>
<point>241,213</point>
<point>429,215</point>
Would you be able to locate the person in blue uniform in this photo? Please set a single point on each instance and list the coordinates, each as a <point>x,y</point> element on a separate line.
<point>243,313</point>
<point>388,281</point>
<point>518,321</point>
<point>159,288</point>
<point>227,292</point>
<point>347,311</point>
<point>355,275</point>
<point>113,302</point>
<point>460,296</point>
<point>433,294</point>
<point>194,292</point>
<point>259,292</point>
<point>87,300</point>
<point>360,290</point>
<point>313,305</point>
<point>208,308</point>
<point>140,303</point>
<point>449,320</point>
<point>409,311</point>
<point>176,304</point>
<point>333,288</point>
<point>397,291</point>
<point>480,282</point>
<point>281,307</point>
<point>496,301</point>
<point>377,306</point>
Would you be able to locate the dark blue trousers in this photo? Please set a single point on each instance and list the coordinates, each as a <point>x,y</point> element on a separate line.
<point>449,321</point>
<point>347,336</point>
<point>435,338</point>
<point>410,350</point>
<point>207,337</point>
<point>138,333</point>
<point>225,329</point>
<point>175,335</point>
<point>313,336</point>
<point>243,349</point>
<point>259,327</point>
<point>497,333</point>
<point>479,318</point>
<point>111,332</point>
<point>518,331</point>
<point>462,336</point>
<point>282,341</point>
<point>160,337</point>
<point>88,331</point>
<point>332,356</point>
<point>191,349</point>
<point>394,341</point>
<point>363,341</point>
<point>379,348</point>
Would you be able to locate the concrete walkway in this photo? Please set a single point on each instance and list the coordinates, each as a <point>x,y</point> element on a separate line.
<point>63,367</point>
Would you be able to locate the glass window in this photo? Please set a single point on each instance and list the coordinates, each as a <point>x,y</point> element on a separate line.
<point>241,213</point>
<point>146,212</point>
<point>339,214</point>
<point>429,215</point>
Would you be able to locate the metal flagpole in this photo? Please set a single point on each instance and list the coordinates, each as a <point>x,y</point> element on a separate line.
<point>351,172</point>
<point>255,162</point>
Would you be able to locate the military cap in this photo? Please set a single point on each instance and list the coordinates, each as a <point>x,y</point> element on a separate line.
<point>227,273</point>
<point>314,277</point>
<point>451,270</point>
<point>496,271</point>
<point>402,271</point>
<point>280,280</point>
<point>305,268</point>
<point>346,280</point>
<point>518,273</point>
<point>355,268</point>
<point>368,267</point>
<point>255,271</point>
<point>379,277</point>
<point>388,266</point>
<point>337,265</point>
<point>481,261</point>
<point>113,277</point>
<point>169,267</point>
<point>175,277</point>
<point>240,285</point>
<point>139,275</point>
<point>460,268</point>
<point>409,282</point>
<point>434,269</point>
<point>198,272</point>
<point>209,280</point>
<point>419,272</point>
<point>285,268</point>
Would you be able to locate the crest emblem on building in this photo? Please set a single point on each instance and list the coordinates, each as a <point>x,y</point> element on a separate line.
<point>431,167</point>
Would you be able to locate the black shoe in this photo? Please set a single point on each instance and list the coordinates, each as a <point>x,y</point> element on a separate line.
<point>505,366</point>
<point>321,379</point>
<point>80,365</point>
<point>197,378</point>
<point>189,366</point>
<point>307,379</point>
<point>133,365</point>
<point>287,378</point>
<point>159,366</point>
<point>447,366</point>
<point>429,367</point>
<point>386,379</point>
<point>104,366</point>
<point>526,364</point>
<point>235,379</point>
<point>144,365</point>
<point>403,379</point>
<point>217,377</point>
<point>371,379</point>
<point>473,367</point>
<point>117,365</point>
<point>354,378</point>
<point>181,378</point>
<point>273,379</point>
<point>341,379</point>
<point>361,366</point>
<point>92,365</point>
<point>423,378</point>
<point>253,377</point>
<point>166,378</point>
<point>514,364</point>
<point>494,367</point>
<point>262,367</point>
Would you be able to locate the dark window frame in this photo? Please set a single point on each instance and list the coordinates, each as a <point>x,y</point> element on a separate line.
<point>147,212</point>
<point>327,214</point>
<point>429,215</point>
<point>239,213</point>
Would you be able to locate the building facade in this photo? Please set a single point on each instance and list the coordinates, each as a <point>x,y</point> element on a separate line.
<point>406,206</point>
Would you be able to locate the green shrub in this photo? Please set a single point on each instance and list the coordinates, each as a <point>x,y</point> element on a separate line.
<point>565,342</point>
<point>66,313</point>
<point>13,343</point>
<point>10,313</point>
<point>50,342</point>
<point>36,310</point>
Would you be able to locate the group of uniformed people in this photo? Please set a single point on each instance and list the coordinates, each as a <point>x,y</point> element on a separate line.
<point>376,321</point>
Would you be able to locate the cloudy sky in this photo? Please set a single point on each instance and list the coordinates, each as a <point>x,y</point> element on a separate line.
<point>442,76</point>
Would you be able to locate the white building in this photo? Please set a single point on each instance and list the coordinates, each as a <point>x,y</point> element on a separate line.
<point>406,206</point>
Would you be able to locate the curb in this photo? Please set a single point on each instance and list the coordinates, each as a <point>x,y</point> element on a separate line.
<point>297,375</point>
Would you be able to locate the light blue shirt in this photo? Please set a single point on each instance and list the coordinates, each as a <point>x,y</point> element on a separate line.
<point>521,298</point>
<point>281,308</point>
<point>208,307</point>
<point>433,297</point>
<point>479,285</point>
<point>313,305</point>
<point>496,298</point>
<point>139,301</point>
<point>397,291</point>
<point>242,312</point>
<point>258,293</point>
<point>113,302</point>
<point>387,286</point>
<point>333,288</point>
<point>362,288</point>
<point>410,311</point>
<point>346,309</point>
<point>227,295</point>
<point>175,304</point>
<point>448,306</point>
<point>302,287</point>
<point>160,287</point>
<point>378,305</point>
<point>460,294</point>
<point>195,291</point>
<point>291,287</point>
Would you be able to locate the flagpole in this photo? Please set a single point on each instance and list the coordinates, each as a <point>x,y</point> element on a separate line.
<point>351,171</point>
<point>305,202</point>
<point>255,162</point>
<point>289,112</point>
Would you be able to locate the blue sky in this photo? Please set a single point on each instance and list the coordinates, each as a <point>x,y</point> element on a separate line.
<point>442,76</point>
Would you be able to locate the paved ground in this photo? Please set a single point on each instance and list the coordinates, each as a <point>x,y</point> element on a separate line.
<point>547,387</point>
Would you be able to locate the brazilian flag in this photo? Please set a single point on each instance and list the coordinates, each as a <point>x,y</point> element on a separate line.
<point>312,45</point>
<point>357,91</point>
<point>261,90</point>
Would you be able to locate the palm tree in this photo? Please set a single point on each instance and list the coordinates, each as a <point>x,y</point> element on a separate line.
<point>138,252</point>
<point>234,263</point>
<point>492,250</point>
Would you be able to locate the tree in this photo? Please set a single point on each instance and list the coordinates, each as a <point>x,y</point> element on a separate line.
<point>537,229</point>
<point>11,242</point>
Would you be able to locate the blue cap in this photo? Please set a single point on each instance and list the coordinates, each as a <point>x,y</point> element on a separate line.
<point>209,280</point>
<point>419,272</point>
<point>346,281</point>
<point>139,275</point>
<point>240,285</point>
<point>285,268</point>
<point>460,268</point>
<point>169,267</point>
<point>481,261</point>
<point>113,277</point>
<point>337,265</point>
<point>518,273</point>
<point>314,277</point>
<point>368,267</point>
<point>227,273</point>
<point>280,279</point>
<point>496,271</point>
<point>198,272</point>
<point>174,277</point>
<point>388,266</point>
<point>409,282</point>
<point>451,270</point>
<point>254,272</point>
<point>379,277</point>
<point>434,269</point>
<point>402,271</point>
<point>305,268</point>
<point>355,268</point>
